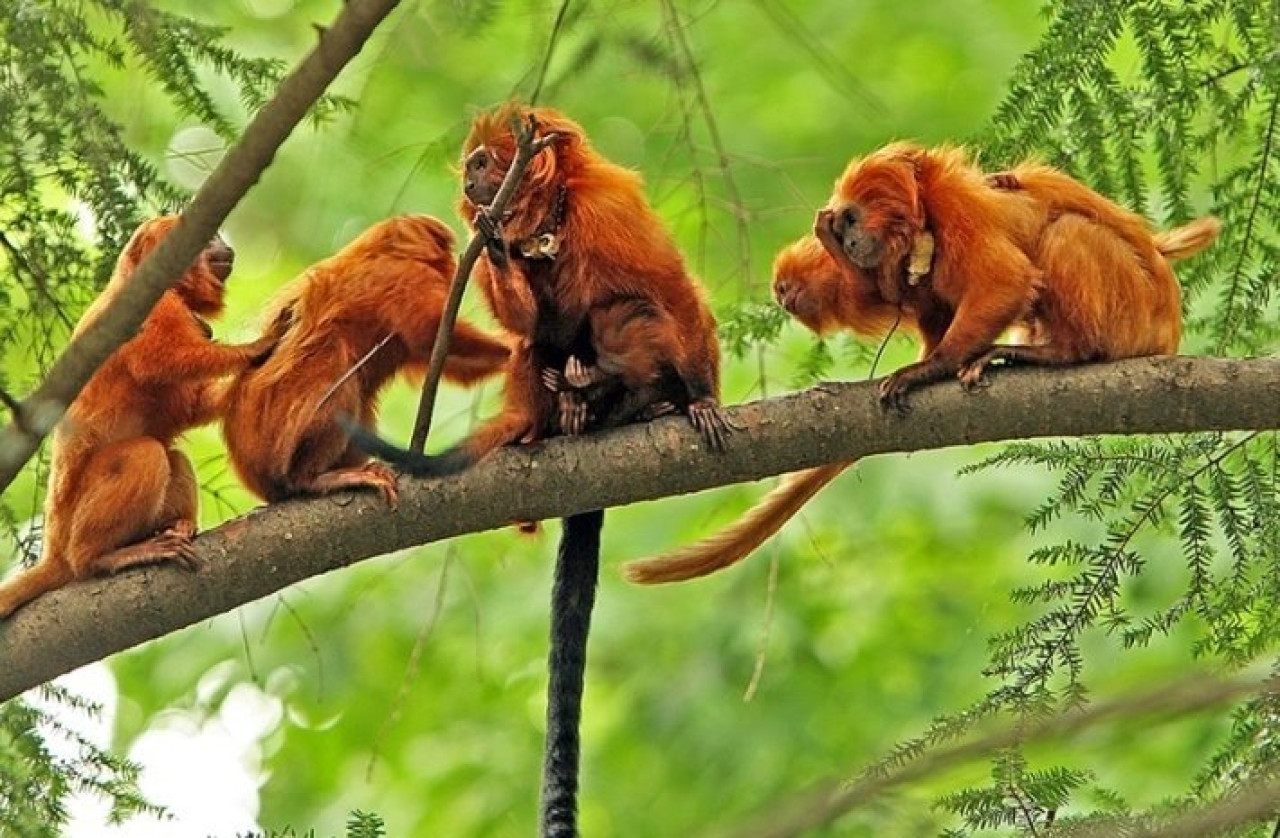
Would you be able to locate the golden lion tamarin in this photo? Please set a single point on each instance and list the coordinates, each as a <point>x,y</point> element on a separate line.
<point>1073,276</point>
<point>120,493</point>
<point>280,419</point>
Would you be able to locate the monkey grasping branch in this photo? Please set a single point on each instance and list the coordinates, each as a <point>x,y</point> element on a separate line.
<point>528,146</point>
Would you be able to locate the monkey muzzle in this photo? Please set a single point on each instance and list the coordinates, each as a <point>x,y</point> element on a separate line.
<point>221,259</point>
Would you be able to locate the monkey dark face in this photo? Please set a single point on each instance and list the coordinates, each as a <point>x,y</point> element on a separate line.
<point>863,248</point>
<point>481,177</point>
<point>220,258</point>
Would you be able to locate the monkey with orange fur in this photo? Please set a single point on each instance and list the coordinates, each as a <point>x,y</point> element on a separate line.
<point>120,494</point>
<point>1031,252</point>
<point>281,418</point>
<point>580,268</point>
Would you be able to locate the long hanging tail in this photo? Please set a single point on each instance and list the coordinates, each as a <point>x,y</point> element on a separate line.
<point>732,544</point>
<point>572,597</point>
<point>1189,239</point>
<point>46,575</point>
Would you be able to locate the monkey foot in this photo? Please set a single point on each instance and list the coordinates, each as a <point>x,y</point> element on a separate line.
<point>573,413</point>
<point>892,393</point>
<point>972,376</point>
<point>374,476</point>
<point>170,545</point>
<point>710,420</point>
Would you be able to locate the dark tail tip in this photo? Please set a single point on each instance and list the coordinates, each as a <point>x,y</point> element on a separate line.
<point>421,465</point>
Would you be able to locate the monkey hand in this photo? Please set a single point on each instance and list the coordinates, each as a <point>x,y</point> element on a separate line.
<point>1003,180</point>
<point>495,244</point>
<point>259,350</point>
<point>573,413</point>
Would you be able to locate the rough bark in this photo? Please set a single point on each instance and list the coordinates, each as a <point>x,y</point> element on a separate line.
<point>237,172</point>
<point>271,548</point>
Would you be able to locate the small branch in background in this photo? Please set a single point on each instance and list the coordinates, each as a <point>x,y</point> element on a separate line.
<point>675,28</point>
<point>551,48</point>
<point>1189,695</point>
<point>238,171</point>
<point>528,146</point>
<point>38,278</point>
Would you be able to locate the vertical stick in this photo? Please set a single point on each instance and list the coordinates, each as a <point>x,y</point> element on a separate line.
<point>527,147</point>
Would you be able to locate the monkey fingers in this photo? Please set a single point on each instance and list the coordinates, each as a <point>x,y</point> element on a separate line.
<point>573,413</point>
<point>972,375</point>
<point>709,418</point>
<point>554,380</point>
<point>1004,180</point>
<point>581,375</point>
<point>491,228</point>
<point>893,390</point>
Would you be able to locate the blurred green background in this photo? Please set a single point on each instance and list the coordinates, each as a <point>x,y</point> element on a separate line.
<point>412,685</point>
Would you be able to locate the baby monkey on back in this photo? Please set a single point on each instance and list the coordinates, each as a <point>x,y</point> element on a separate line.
<point>1071,276</point>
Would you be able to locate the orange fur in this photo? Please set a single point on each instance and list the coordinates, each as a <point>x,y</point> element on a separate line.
<point>120,494</point>
<point>617,289</point>
<point>1070,275</point>
<point>616,294</point>
<point>282,433</point>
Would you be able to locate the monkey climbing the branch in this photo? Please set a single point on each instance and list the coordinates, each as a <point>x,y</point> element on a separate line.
<point>280,417</point>
<point>1072,276</point>
<point>120,494</point>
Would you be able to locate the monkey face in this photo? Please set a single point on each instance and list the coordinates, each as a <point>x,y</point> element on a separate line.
<point>805,283</point>
<point>219,258</point>
<point>204,284</point>
<point>861,246</point>
<point>481,177</point>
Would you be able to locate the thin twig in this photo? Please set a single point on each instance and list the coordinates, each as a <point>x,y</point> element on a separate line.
<point>355,368</point>
<point>38,278</point>
<point>414,666</point>
<point>527,147</point>
<point>551,48</point>
<point>676,29</point>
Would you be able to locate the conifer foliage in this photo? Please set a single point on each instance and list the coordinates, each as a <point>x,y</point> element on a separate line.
<point>1190,129</point>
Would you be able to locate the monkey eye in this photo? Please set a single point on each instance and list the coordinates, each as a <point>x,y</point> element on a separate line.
<point>851,216</point>
<point>478,160</point>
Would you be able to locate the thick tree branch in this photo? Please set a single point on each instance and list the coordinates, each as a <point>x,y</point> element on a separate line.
<point>271,548</point>
<point>238,171</point>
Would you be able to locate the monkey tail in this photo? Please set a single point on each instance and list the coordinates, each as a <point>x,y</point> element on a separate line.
<point>422,465</point>
<point>732,544</point>
<point>573,595</point>
<point>46,575</point>
<point>1189,239</point>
